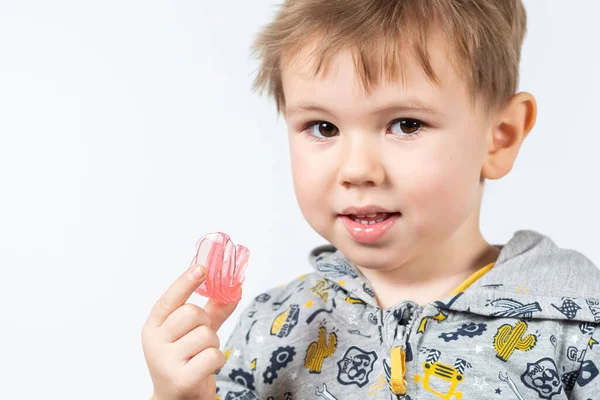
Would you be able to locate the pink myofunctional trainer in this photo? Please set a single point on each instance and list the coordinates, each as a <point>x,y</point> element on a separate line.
<point>225,265</point>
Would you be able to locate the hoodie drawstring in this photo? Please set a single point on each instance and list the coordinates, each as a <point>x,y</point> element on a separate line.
<point>397,382</point>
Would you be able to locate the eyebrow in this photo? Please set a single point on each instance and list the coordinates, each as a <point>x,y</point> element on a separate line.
<point>411,104</point>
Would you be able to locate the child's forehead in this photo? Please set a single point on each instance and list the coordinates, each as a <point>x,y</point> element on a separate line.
<point>340,76</point>
<point>376,52</point>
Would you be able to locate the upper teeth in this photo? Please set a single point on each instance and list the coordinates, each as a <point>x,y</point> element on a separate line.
<point>357,218</point>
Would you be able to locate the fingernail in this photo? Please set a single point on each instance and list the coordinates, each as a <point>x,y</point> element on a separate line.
<point>198,272</point>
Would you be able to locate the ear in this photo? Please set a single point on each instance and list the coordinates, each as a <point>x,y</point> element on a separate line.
<point>515,120</point>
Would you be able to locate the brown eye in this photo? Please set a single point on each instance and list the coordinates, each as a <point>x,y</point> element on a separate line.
<point>323,129</point>
<point>406,126</point>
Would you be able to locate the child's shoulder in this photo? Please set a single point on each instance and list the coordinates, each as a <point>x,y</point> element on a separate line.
<point>534,260</point>
<point>278,310</point>
<point>293,285</point>
<point>296,290</point>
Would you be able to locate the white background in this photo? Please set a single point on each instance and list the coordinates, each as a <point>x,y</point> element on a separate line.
<point>128,130</point>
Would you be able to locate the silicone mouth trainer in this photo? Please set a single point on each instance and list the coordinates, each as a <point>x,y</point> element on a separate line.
<point>225,267</point>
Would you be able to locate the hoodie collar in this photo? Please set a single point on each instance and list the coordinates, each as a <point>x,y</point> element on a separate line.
<point>330,263</point>
<point>532,278</point>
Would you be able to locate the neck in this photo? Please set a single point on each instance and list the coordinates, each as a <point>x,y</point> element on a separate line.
<point>433,273</point>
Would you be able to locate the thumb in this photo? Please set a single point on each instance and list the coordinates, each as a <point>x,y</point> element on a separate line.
<point>218,312</point>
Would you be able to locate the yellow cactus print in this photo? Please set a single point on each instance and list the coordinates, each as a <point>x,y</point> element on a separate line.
<point>508,339</point>
<point>319,350</point>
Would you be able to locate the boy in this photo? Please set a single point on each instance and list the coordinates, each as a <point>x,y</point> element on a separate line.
<point>397,112</point>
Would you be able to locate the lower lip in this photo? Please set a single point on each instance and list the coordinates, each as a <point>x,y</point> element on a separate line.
<point>368,233</point>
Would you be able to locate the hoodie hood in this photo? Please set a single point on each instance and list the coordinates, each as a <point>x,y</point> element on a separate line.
<point>532,278</point>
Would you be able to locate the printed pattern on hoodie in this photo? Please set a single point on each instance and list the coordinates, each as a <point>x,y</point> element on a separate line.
<point>526,329</point>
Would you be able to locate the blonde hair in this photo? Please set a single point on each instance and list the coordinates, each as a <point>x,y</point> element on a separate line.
<point>485,38</point>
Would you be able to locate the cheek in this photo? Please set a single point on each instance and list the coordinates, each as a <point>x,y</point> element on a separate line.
<point>310,179</point>
<point>443,184</point>
<point>302,182</point>
<point>303,169</point>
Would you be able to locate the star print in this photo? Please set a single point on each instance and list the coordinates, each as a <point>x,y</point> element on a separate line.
<point>559,330</point>
<point>478,349</point>
<point>480,382</point>
<point>353,319</point>
<point>260,339</point>
<point>498,391</point>
<point>574,338</point>
<point>294,375</point>
<point>237,353</point>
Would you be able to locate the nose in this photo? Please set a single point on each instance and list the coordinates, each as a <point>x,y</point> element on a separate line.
<point>360,164</point>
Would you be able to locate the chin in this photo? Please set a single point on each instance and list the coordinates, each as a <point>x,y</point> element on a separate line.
<point>369,256</point>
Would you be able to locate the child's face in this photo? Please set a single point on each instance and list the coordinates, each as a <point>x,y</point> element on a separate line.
<point>366,157</point>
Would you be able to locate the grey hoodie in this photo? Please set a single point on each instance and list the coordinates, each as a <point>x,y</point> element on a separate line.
<point>524,330</point>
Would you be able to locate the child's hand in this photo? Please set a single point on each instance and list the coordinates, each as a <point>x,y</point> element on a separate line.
<point>180,343</point>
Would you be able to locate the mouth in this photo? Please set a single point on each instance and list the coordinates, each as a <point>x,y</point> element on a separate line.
<point>369,228</point>
<point>368,215</point>
<point>370,219</point>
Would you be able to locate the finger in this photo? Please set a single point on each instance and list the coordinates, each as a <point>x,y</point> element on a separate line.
<point>177,294</point>
<point>183,320</point>
<point>204,364</point>
<point>218,312</point>
<point>195,341</point>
